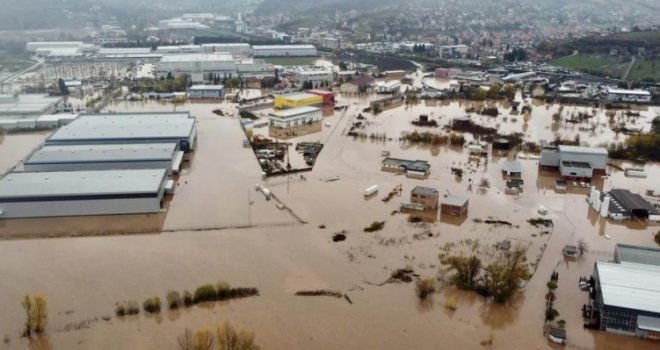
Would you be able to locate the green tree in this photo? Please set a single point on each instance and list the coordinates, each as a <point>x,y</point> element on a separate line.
<point>467,270</point>
<point>64,91</point>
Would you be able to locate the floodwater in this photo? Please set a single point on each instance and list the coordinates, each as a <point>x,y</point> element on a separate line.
<point>83,277</point>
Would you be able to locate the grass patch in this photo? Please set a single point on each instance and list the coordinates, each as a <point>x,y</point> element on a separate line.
<point>452,303</point>
<point>647,69</point>
<point>594,64</point>
<point>375,226</point>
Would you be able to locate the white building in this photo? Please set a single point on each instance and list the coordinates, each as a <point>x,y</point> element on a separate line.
<point>195,65</point>
<point>290,118</point>
<point>284,50</point>
<point>315,76</point>
<point>33,46</point>
<point>123,128</point>
<point>620,95</point>
<point>178,49</point>
<point>74,193</point>
<point>390,87</point>
<point>106,157</point>
<point>575,161</point>
<point>231,48</point>
<point>206,92</point>
<point>27,105</point>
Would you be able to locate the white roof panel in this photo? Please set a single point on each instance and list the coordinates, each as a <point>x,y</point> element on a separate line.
<point>103,153</point>
<point>630,285</point>
<point>580,149</point>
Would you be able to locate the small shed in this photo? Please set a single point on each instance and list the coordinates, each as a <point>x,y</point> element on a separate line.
<point>454,205</point>
<point>570,251</point>
<point>511,169</point>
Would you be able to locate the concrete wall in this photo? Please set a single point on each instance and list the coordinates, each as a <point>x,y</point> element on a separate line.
<point>568,171</point>
<point>81,207</point>
<point>597,161</point>
<point>549,158</point>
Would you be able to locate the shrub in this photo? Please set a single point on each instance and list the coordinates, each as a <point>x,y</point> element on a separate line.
<point>187,298</point>
<point>375,226</point>
<point>230,339</point>
<point>223,290</point>
<point>173,299</point>
<point>425,287</point>
<point>152,305</point>
<point>551,314</point>
<point>451,303</point>
<point>456,139</point>
<point>204,293</point>
<point>243,292</point>
<point>120,309</point>
<point>132,307</point>
<point>552,285</point>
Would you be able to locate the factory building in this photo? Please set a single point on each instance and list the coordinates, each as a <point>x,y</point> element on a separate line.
<point>106,157</point>
<point>390,87</point>
<point>295,122</point>
<point>284,50</point>
<point>419,169</point>
<point>575,161</point>
<point>27,105</point>
<point>127,53</point>
<point>231,48</point>
<point>314,76</point>
<point>206,92</point>
<point>178,49</point>
<point>33,46</point>
<point>122,128</point>
<point>76,193</point>
<point>200,66</point>
<point>621,95</point>
<point>626,293</point>
<point>298,99</point>
<point>328,96</point>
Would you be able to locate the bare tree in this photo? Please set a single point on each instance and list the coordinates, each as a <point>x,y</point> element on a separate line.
<point>185,340</point>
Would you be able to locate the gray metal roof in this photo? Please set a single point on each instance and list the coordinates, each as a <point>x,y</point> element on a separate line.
<point>103,153</point>
<point>640,255</point>
<point>648,323</point>
<point>454,201</point>
<point>580,149</point>
<point>512,167</point>
<point>632,201</point>
<point>80,183</point>
<point>630,285</point>
<point>288,113</point>
<point>424,190</point>
<point>27,104</point>
<point>126,126</point>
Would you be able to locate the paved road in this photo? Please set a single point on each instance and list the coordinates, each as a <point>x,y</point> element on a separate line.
<point>632,63</point>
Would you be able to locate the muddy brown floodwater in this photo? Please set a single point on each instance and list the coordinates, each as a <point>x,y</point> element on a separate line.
<point>211,233</point>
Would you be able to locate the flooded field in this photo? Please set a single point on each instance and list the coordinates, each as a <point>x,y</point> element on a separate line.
<point>204,237</point>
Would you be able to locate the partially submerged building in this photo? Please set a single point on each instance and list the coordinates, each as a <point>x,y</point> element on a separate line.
<point>206,92</point>
<point>512,169</point>
<point>295,122</point>
<point>621,95</point>
<point>106,157</point>
<point>427,197</point>
<point>454,206</point>
<point>624,204</point>
<point>46,194</point>
<point>328,96</point>
<point>575,161</point>
<point>412,168</point>
<point>626,295</point>
<point>123,128</point>
<point>27,105</point>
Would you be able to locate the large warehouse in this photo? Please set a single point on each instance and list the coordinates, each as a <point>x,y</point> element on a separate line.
<point>284,50</point>
<point>105,157</point>
<point>295,122</point>
<point>122,128</point>
<point>232,48</point>
<point>199,66</point>
<point>627,292</point>
<point>575,161</point>
<point>27,105</point>
<point>44,194</point>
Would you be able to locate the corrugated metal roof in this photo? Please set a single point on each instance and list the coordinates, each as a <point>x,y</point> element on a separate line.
<point>580,149</point>
<point>630,285</point>
<point>103,153</point>
<point>80,183</point>
<point>512,167</point>
<point>287,113</point>
<point>639,255</point>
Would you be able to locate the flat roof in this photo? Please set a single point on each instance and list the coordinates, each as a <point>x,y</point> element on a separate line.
<point>282,47</point>
<point>640,255</point>
<point>27,103</point>
<point>287,113</point>
<point>512,166</point>
<point>197,57</point>
<point>630,285</point>
<point>103,153</point>
<point>129,126</point>
<point>632,201</point>
<point>25,186</point>
<point>628,92</point>
<point>415,165</point>
<point>580,149</point>
<point>424,190</point>
<point>207,87</point>
<point>298,96</point>
<point>455,201</point>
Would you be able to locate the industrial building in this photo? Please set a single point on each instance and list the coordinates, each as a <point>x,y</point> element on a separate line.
<point>315,76</point>
<point>626,293</point>
<point>45,194</point>
<point>454,206</point>
<point>33,46</point>
<point>621,95</point>
<point>178,49</point>
<point>284,50</point>
<point>127,53</point>
<point>106,157</point>
<point>575,161</point>
<point>231,48</point>
<point>297,99</point>
<point>199,66</point>
<point>426,197</point>
<point>419,169</point>
<point>512,169</point>
<point>206,92</point>
<point>295,122</point>
<point>390,87</point>
<point>624,204</point>
<point>122,128</point>
<point>328,96</point>
<point>27,105</point>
